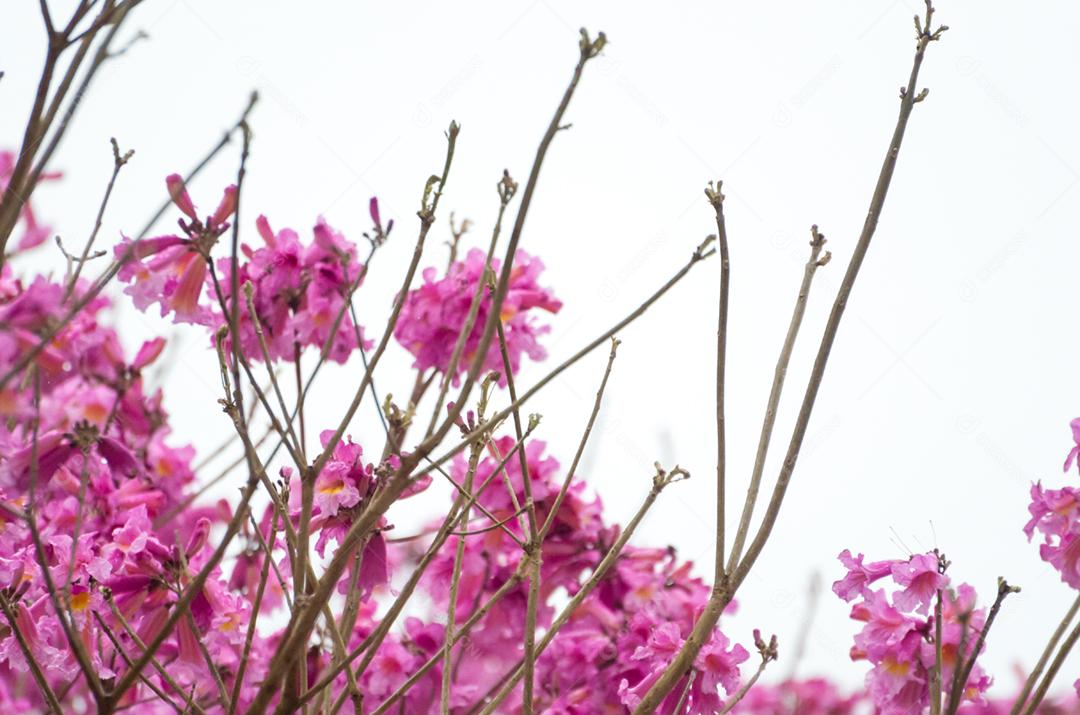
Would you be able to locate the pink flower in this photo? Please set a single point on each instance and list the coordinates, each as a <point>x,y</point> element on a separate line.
<point>172,270</point>
<point>921,580</point>
<point>299,292</point>
<point>344,480</point>
<point>1055,514</point>
<point>434,314</point>
<point>859,576</point>
<point>719,664</point>
<point>899,644</point>
<point>886,626</point>
<point>1075,427</point>
<point>1064,555</point>
<point>173,277</point>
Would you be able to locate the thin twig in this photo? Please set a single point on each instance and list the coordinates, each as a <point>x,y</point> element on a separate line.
<point>817,242</point>
<point>256,606</point>
<point>962,671</point>
<point>935,672</point>
<point>716,199</point>
<point>119,160</point>
<point>723,592</point>
<point>1052,671</point>
<point>1033,677</point>
<point>741,693</point>
<point>226,138</point>
<point>459,558</point>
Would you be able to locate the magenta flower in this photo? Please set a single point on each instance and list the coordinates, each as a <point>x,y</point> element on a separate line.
<point>299,293</point>
<point>1075,451</point>
<point>859,576</point>
<point>172,270</point>
<point>1055,514</point>
<point>921,580</point>
<point>344,480</point>
<point>897,639</point>
<point>434,314</point>
<point>718,662</point>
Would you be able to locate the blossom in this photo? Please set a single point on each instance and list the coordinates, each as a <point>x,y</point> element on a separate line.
<point>1075,451</point>
<point>300,293</point>
<point>1055,515</point>
<point>433,315</point>
<point>897,638</point>
<point>172,270</point>
<point>921,579</point>
<point>718,662</point>
<point>859,576</point>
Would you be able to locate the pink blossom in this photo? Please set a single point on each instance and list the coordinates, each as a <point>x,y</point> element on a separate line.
<point>1075,451</point>
<point>433,315</point>
<point>859,576</point>
<point>300,294</point>
<point>921,580</point>
<point>1055,515</point>
<point>172,270</point>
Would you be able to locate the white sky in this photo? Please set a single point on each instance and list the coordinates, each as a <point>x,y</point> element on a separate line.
<point>954,375</point>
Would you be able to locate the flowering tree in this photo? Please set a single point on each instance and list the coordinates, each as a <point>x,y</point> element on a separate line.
<point>121,587</point>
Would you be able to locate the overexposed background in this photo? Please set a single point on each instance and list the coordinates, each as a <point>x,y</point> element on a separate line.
<point>954,375</point>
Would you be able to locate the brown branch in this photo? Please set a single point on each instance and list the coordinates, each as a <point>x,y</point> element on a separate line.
<point>1052,671</point>
<point>565,487</point>
<point>817,242</point>
<point>119,160</point>
<point>716,199</point>
<point>256,606</point>
<point>506,188</point>
<point>935,671</point>
<point>534,546</point>
<point>962,671</point>
<point>723,591</point>
<point>1033,677</point>
<point>299,628</point>
<point>459,556</point>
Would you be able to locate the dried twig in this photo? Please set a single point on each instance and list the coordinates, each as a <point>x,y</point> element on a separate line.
<point>724,590</point>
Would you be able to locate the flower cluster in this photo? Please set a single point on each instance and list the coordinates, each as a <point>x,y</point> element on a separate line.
<point>300,292</point>
<point>434,314</point>
<point>1055,514</point>
<point>624,632</point>
<point>898,636</point>
<point>106,551</point>
<point>172,270</point>
<point>88,461</point>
